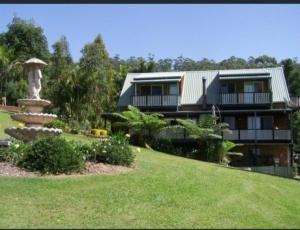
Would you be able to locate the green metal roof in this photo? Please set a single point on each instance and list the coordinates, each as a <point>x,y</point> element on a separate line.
<point>192,85</point>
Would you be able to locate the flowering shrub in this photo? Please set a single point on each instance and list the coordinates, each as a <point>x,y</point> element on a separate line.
<point>114,151</point>
<point>56,123</point>
<point>15,152</point>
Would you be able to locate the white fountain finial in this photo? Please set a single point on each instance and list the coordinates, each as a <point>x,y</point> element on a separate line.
<point>34,77</point>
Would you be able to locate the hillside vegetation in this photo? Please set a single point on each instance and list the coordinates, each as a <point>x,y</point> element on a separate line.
<point>163,191</point>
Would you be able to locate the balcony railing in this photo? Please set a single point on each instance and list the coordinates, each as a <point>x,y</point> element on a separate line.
<point>157,100</point>
<point>245,98</point>
<point>246,135</point>
<point>258,134</point>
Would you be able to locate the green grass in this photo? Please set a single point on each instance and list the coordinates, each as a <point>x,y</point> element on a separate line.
<point>5,122</point>
<point>164,191</point>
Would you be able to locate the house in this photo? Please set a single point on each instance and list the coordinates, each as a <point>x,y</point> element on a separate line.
<point>254,102</point>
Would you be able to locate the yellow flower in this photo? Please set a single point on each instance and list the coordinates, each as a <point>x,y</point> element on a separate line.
<point>20,125</point>
<point>127,135</point>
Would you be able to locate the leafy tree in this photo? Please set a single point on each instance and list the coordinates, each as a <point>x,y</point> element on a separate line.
<point>208,132</point>
<point>233,63</point>
<point>294,83</point>
<point>296,130</point>
<point>144,126</point>
<point>164,65</point>
<point>26,39</point>
<point>61,82</point>
<point>96,81</point>
<point>262,61</point>
<point>206,64</point>
<point>144,66</point>
<point>61,57</point>
<point>224,153</point>
<point>184,64</point>
<point>22,40</point>
<point>288,67</point>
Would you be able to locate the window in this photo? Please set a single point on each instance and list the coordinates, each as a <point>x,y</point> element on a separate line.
<point>253,87</point>
<point>156,90</point>
<point>258,87</point>
<point>173,89</point>
<point>145,90</point>
<point>148,90</point>
<point>267,123</point>
<point>228,87</point>
<point>260,122</point>
<point>254,123</point>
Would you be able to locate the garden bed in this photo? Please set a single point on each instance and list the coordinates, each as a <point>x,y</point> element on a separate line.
<point>91,168</point>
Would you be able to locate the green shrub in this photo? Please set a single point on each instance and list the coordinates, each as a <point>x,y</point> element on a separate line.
<point>166,146</point>
<point>74,131</point>
<point>57,124</point>
<point>15,152</point>
<point>114,151</point>
<point>74,127</point>
<point>53,155</point>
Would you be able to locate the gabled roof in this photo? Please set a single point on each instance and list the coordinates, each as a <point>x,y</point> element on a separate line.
<point>192,85</point>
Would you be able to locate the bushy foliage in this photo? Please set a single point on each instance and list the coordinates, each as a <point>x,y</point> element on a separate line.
<point>145,126</point>
<point>114,151</point>
<point>58,124</point>
<point>53,155</point>
<point>15,152</point>
<point>165,145</point>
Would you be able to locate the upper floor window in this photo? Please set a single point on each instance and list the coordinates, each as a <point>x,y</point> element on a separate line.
<point>173,89</point>
<point>145,90</point>
<point>228,87</point>
<point>157,89</point>
<point>254,87</point>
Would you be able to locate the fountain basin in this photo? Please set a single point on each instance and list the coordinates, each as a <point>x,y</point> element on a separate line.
<point>33,119</point>
<point>31,133</point>
<point>33,105</point>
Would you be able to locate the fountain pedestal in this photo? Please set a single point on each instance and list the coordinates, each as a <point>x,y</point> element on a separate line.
<point>33,118</point>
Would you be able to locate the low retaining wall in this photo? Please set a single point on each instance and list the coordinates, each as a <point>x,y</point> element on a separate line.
<point>9,108</point>
<point>278,171</point>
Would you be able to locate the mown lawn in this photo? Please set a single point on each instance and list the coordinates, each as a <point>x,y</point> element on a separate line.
<point>163,191</point>
<point>5,122</point>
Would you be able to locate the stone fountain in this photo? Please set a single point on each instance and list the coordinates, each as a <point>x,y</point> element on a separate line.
<point>33,118</point>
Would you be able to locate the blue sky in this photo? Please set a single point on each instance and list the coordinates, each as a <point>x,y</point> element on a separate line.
<point>196,31</point>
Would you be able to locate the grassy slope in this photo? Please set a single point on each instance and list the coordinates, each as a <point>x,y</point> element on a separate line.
<point>5,122</point>
<point>164,191</point>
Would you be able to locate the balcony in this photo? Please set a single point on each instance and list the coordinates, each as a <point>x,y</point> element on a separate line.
<point>155,101</point>
<point>260,135</point>
<point>233,99</point>
<point>295,102</point>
